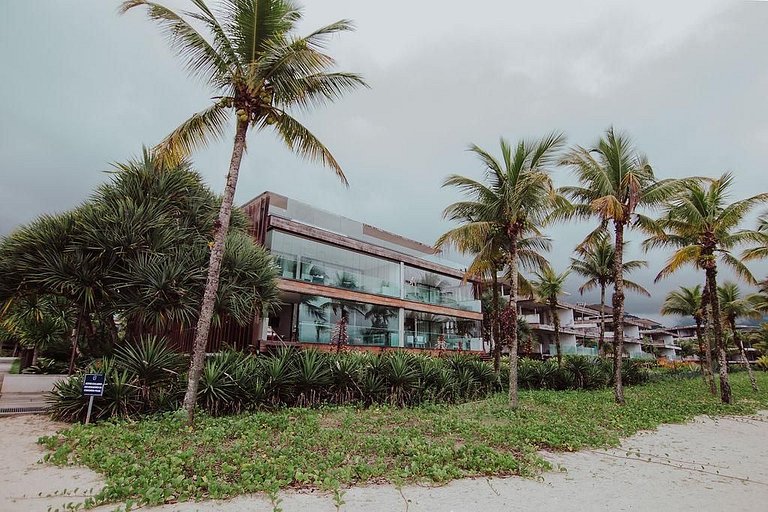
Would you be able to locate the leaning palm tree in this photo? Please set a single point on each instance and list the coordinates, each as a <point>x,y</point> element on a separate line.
<point>258,69</point>
<point>514,200</point>
<point>702,227</point>
<point>733,306</point>
<point>688,302</point>
<point>615,181</point>
<point>596,263</point>
<point>547,287</point>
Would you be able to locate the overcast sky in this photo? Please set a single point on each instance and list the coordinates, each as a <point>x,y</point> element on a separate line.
<point>83,87</point>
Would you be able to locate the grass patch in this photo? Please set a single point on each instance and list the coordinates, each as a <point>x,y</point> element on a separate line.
<point>156,461</point>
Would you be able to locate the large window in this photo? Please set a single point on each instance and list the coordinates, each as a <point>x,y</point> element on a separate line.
<point>431,288</point>
<point>424,330</point>
<point>314,262</point>
<point>367,324</point>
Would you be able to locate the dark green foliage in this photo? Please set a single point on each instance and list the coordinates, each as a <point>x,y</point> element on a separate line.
<point>577,372</point>
<point>147,377</point>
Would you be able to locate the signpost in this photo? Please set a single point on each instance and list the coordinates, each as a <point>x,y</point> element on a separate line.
<point>93,385</point>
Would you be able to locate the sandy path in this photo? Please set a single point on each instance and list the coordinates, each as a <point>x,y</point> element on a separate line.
<point>27,485</point>
<point>717,465</point>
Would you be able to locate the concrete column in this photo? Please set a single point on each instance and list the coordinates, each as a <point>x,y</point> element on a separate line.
<point>401,327</point>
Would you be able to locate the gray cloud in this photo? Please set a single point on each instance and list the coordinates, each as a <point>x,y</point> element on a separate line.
<point>83,87</point>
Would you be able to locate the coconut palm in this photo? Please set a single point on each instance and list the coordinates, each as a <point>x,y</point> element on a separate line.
<point>249,55</point>
<point>489,259</point>
<point>688,302</point>
<point>759,251</point>
<point>615,181</point>
<point>701,226</point>
<point>596,262</point>
<point>548,286</point>
<point>733,306</point>
<point>514,200</point>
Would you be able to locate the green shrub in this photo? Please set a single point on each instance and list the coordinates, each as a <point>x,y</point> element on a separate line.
<point>762,363</point>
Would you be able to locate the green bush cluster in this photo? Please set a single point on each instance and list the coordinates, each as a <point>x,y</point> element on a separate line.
<point>577,372</point>
<point>148,377</point>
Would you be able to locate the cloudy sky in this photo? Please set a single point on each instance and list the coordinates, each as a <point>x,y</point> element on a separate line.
<point>83,87</point>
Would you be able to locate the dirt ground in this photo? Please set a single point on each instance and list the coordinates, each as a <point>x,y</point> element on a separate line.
<point>706,465</point>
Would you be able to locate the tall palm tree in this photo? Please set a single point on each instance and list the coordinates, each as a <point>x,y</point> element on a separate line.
<point>688,302</point>
<point>547,287</point>
<point>596,262</point>
<point>733,306</point>
<point>488,248</point>
<point>514,200</point>
<point>259,69</point>
<point>615,180</point>
<point>702,227</point>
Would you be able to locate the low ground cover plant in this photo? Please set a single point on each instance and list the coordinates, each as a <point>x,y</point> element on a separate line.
<point>155,461</point>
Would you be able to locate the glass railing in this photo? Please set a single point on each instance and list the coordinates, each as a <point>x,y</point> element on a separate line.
<point>324,333</point>
<point>578,350</point>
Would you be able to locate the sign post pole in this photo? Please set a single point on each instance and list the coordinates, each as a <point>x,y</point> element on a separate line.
<point>90,406</point>
<point>93,386</point>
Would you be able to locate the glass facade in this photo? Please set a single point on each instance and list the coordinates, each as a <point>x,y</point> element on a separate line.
<point>432,288</point>
<point>424,330</point>
<point>315,262</point>
<point>367,324</point>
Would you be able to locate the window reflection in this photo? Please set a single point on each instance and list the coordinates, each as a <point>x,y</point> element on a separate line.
<point>314,262</point>
<point>432,288</point>
<point>425,330</point>
<point>367,324</point>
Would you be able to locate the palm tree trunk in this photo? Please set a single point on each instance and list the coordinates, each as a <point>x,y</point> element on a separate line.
<point>495,324</point>
<point>706,369</point>
<point>35,354</point>
<point>75,336</point>
<point>512,327</point>
<point>214,271</point>
<point>740,344</point>
<point>618,314</point>
<point>601,336</point>
<point>722,357</point>
<point>705,306</point>
<point>556,325</point>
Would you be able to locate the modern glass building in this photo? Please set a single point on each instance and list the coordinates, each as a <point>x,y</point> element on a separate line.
<point>392,291</point>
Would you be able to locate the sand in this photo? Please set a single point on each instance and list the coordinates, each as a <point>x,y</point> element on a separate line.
<point>709,464</point>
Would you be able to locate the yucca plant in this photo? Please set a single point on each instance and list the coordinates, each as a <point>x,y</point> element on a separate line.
<point>151,362</point>
<point>219,393</point>
<point>279,376</point>
<point>345,374</point>
<point>312,377</point>
<point>402,377</point>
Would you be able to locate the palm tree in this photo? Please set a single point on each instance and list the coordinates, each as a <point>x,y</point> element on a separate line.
<point>688,302</point>
<point>760,251</point>
<point>702,228</point>
<point>489,259</point>
<point>596,262</point>
<point>615,180</point>
<point>259,69</point>
<point>548,286</point>
<point>733,306</point>
<point>514,200</point>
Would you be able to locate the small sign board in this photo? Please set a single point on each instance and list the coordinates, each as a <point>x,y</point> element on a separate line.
<point>93,384</point>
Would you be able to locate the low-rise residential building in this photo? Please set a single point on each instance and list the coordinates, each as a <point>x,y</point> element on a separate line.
<point>393,291</point>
